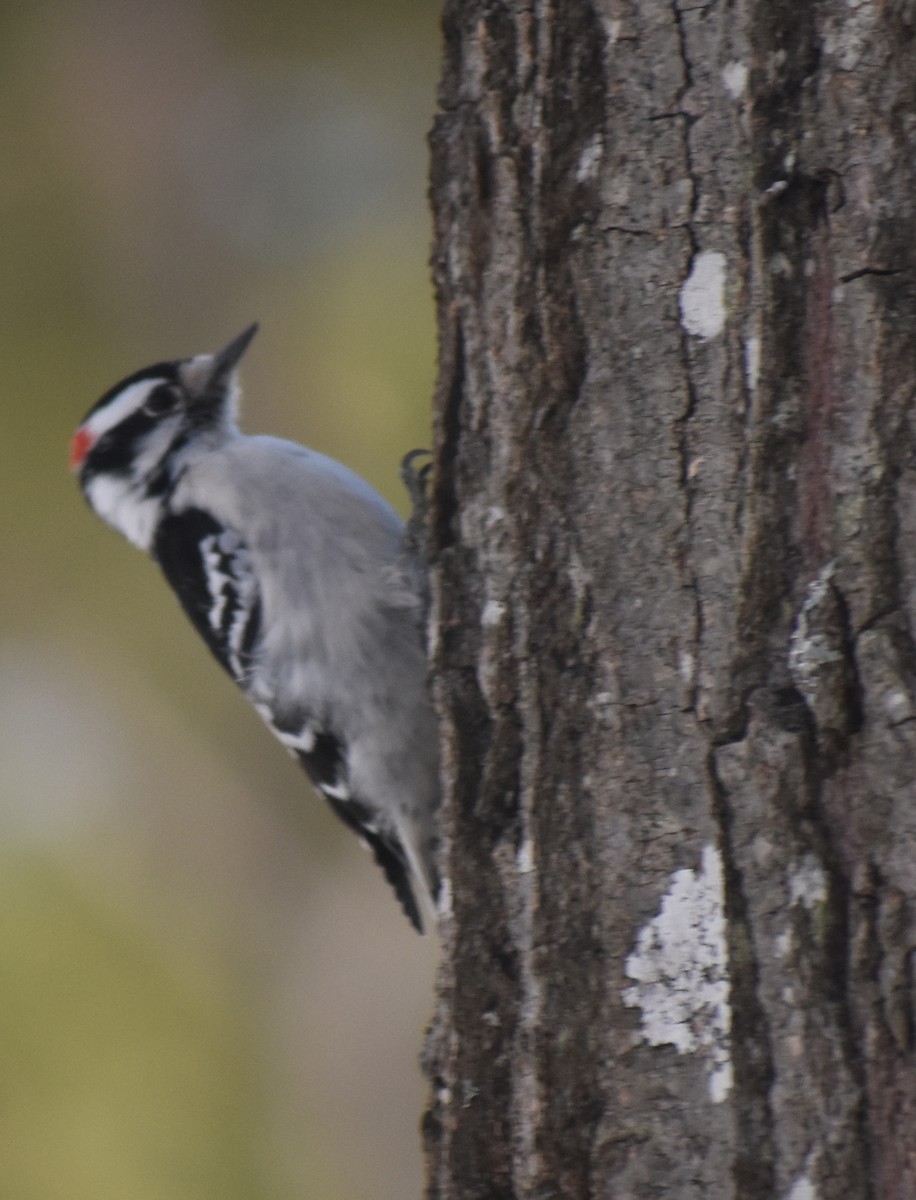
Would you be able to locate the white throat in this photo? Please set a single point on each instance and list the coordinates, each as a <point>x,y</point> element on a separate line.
<point>118,503</point>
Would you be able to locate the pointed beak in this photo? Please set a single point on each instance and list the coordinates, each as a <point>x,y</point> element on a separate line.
<point>226,360</point>
<point>209,373</point>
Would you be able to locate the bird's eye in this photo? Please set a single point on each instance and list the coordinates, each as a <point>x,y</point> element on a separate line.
<point>161,401</point>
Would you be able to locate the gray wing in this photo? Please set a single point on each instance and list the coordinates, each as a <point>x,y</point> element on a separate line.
<point>209,568</point>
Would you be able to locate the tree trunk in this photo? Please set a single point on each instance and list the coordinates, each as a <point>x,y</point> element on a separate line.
<point>674,593</point>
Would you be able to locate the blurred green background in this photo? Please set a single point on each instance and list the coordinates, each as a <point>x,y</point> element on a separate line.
<point>206,987</point>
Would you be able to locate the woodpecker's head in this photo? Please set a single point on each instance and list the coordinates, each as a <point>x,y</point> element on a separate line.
<point>129,449</point>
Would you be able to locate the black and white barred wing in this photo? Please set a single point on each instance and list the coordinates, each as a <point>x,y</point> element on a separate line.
<point>210,570</point>
<point>323,755</point>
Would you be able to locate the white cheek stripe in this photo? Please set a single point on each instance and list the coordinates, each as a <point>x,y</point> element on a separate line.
<point>114,412</point>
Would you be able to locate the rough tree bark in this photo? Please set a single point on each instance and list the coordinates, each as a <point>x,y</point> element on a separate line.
<point>674,600</point>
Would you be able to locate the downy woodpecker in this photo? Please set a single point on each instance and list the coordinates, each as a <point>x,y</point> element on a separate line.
<point>295,573</point>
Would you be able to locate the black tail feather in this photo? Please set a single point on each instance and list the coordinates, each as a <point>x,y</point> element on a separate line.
<point>387,854</point>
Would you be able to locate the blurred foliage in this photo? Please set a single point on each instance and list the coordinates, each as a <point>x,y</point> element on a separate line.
<point>126,1071</point>
<point>205,987</point>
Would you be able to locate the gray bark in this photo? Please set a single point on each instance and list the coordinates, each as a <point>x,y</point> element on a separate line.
<point>674,600</point>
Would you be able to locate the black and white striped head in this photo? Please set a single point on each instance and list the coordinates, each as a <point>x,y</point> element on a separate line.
<point>129,448</point>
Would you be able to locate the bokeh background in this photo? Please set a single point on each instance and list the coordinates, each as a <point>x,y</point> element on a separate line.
<point>206,987</point>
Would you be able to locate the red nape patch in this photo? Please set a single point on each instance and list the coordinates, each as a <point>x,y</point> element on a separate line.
<point>80,445</point>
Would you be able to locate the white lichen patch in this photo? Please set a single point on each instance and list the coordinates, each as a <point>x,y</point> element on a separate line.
<point>752,362</point>
<point>702,298</point>
<point>734,77</point>
<point>524,859</point>
<point>493,613</point>
<point>721,1078</point>
<point>808,883</point>
<point>898,706</point>
<point>590,159</point>
<point>783,944</point>
<point>849,36</point>
<point>680,965</point>
<point>810,650</point>
<point>686,666</point>
<point>802,1189</point>
<point>613,29</point>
